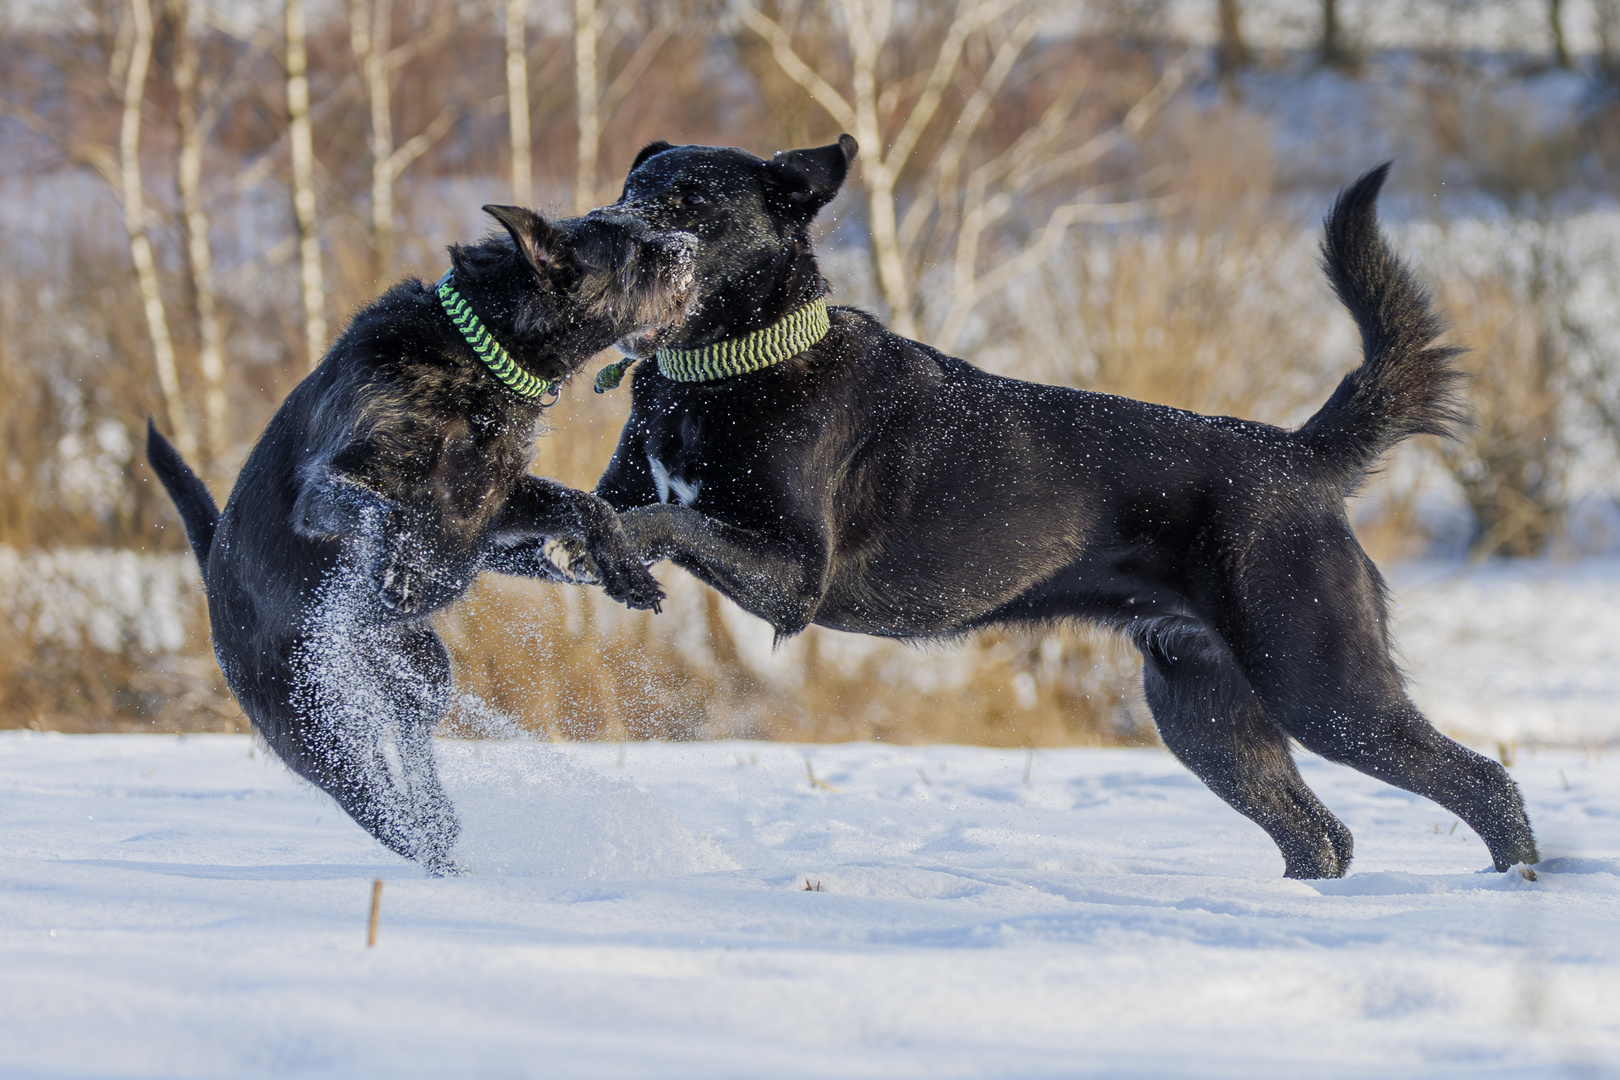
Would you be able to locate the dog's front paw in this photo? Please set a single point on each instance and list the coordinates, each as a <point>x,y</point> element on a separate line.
<point>399,587</point>
<point>566,559</point>
<point>640,590</point>
<point>625,578</point>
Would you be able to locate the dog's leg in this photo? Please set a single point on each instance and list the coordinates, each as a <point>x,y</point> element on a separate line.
<point>1210,718</point>
<point>355,686</point>
<point>1384,735</point>
<point>1310,636</point>
<point>778,577</point>
<point>351,765</point>
<point>422,694</point>
<point>551,531</point>
<point>333,503</point>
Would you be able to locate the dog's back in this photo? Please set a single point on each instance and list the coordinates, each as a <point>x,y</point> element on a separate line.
<point>388,478</point>
<point>869,483</point>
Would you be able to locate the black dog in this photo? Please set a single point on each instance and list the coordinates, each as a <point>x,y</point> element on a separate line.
<point>867,483</point>
<point>390,477</point>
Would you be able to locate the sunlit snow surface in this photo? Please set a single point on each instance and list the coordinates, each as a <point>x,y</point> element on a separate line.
<point>185,908</point>
<point>1523,650</point>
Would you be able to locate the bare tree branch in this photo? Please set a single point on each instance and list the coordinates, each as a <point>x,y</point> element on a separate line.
<point>517,101</point>
<point>1027,166</point>
<point>370,28</point>
<point>421,143</point>
<point>199,252</point>
<point>867,26</point>
<point>970,16</point>
<point>796,69</point>
<point>1045,241</point>
<point>103,159</point>
<point>302,146</point>
<point>977,107</point>
<point>593,104</point>
<point>140,244</point>
<point>636,66</point>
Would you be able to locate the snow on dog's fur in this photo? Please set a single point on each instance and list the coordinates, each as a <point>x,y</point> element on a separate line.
<point>873,485</point>
<point>388,479</point>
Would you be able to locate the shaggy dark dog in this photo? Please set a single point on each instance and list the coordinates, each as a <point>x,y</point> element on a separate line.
<point>389,478</point>
<point>870,484</point>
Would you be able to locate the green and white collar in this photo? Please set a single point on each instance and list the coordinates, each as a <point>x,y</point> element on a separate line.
<point>761,349</point>
<point>495,358</point>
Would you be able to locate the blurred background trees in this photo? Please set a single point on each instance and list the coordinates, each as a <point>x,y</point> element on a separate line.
<point>1111,194</point>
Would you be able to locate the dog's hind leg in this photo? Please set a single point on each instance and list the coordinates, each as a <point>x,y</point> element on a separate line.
<point>1209,717</point>
<point>424,697</point>
<point>1310,635</point>
<point>366,711</point>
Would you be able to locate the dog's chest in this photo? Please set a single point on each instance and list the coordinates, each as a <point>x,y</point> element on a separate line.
<point>673,461</point>
<point>679,481</point>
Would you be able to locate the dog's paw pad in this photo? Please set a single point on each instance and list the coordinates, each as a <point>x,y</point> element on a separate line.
<point>570,560</point>
<point>561,554</point>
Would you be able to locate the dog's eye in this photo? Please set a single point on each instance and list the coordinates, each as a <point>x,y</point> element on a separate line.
<point>694,199</point>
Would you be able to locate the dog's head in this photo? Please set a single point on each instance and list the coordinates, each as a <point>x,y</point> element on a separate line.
<point>557,292</point>
<point>751,218</point>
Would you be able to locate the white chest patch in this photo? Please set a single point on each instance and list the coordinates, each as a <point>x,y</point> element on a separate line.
<point>685,493</point>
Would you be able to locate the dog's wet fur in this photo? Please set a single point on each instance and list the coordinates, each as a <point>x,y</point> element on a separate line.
<point>873,485</point>
<point>387,480</point>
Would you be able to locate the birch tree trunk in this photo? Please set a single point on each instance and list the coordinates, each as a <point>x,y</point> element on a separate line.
<point>517,101</point>
<point>1555,26</point>
<point>303,179</point>
<point>1335,50</point>
<point>867,24</point>
<point>371,25</point>
<point>587,103</point>
<point>889,134</point>
<point>594,104</point>
<point>1231,51</point>
<point>1606,25</point>
<point>199,253</point>
<point>140,245</point>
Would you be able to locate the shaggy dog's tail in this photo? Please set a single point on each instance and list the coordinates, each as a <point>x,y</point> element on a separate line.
<point>190,494</point>
<point>1406,385</point>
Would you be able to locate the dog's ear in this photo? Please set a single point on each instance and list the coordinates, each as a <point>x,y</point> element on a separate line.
<point>648,151</point>
<point>808,179</point>
<point>534,235</point>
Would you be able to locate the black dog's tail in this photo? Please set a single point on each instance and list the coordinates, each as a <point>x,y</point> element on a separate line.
<point>1406,384</point>
<point>190,495</point>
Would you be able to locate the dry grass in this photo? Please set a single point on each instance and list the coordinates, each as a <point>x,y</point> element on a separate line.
<point>1191,308</point>
<point>569,665</point>
<point>80,687</point>
<point>1509,465</point>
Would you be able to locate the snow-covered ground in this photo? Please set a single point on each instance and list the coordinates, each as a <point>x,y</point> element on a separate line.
<point>182,907</point>
<point>1523,651</point>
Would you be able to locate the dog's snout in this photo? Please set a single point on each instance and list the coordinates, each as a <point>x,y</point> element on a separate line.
<point>682,245</point>
<point>622,215</point>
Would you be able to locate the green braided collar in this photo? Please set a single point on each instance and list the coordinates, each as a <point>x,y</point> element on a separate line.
<point>751,352</point>
<point>497,359</point>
